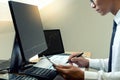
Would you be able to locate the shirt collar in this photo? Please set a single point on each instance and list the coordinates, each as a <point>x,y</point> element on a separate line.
<point>117,17</point>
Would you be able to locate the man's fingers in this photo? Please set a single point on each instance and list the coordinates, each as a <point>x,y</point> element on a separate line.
<point>74,59</point>
<point>62,66</point>
<point>62,69</point>
<point>71,56</point>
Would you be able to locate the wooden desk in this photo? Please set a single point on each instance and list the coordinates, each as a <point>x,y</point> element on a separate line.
<point>86,54</point>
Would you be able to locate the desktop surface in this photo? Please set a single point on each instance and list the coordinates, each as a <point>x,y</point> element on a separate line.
<point>58,77</point>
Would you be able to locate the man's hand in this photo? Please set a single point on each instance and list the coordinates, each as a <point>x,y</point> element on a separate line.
<point>80,61</point>
<point>70,72</point>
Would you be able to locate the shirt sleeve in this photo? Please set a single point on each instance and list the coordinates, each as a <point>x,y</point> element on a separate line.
<point>99,64</point>
<point>101,75</point>
<point>91,75</point>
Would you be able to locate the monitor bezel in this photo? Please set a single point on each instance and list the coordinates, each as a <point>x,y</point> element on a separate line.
<point>17,32</point>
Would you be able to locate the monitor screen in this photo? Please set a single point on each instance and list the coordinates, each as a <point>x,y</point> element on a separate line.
<point>54,42</point>
<point>29,29</point>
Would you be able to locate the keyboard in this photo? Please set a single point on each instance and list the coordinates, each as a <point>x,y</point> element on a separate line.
<point>23,77</point>
<point>41,73</point>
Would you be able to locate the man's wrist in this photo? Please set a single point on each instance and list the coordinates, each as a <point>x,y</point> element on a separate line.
<point>87,64</point>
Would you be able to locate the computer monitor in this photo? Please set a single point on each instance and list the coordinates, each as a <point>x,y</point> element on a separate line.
<point>54,42</point>
<point>28,28</point>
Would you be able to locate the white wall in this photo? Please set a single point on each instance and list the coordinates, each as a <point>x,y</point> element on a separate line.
<point>6,39</point>
<point>81,27</point>
<point>6,31</point>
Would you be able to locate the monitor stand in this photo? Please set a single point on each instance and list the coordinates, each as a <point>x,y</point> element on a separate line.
<point>16,58</point>
<point>18,62</point>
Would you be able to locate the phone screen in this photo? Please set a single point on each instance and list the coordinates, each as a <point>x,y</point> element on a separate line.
<point>49,60</point>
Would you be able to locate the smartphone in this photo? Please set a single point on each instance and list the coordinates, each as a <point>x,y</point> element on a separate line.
<point>49,60</point>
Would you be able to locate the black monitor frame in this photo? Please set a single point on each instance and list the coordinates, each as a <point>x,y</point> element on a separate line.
<point>54,42</point>
<point>13,5</point>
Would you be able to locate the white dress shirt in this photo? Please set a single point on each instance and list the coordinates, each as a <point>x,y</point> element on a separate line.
<point>102,64</point>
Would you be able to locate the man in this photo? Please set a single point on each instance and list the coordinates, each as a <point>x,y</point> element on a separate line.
<point>109,69</point>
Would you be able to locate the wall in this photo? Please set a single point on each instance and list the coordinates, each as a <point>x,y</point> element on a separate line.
<point>81,27</point>
<point>6,39</point>
<point>6,31</point>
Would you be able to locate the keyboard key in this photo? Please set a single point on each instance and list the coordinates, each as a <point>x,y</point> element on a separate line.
<point>41,73</point>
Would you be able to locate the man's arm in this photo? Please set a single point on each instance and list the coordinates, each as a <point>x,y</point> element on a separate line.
<point>101,75</point>
<point>99,64</point>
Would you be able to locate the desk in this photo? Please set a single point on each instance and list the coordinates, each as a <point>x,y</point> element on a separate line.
<point>86,55</point>
<point>58,77</point>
